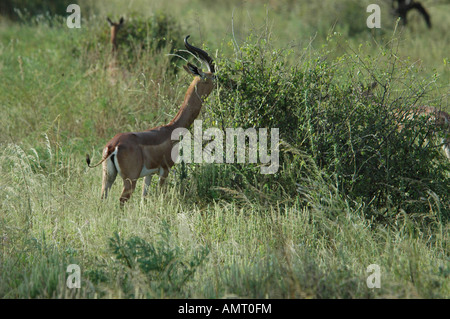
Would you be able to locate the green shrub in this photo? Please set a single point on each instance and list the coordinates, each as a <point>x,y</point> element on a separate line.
<point>351,135</point>
<point>166,267</point>
<point>139,40</point>
<point>21,9</point>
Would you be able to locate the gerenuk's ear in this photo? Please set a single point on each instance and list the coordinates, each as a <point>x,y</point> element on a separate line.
<point>109,21</point>
<point>191,69</point>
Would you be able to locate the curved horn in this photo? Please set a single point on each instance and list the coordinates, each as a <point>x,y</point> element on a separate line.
<point>201,54</point>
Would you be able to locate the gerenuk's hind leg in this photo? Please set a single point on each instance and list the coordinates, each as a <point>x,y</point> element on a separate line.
<point>128,189</point>
<point>109,176</point>
<point>147,182</point>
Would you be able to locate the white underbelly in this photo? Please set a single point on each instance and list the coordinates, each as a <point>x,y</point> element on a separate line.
<point>145,171</point>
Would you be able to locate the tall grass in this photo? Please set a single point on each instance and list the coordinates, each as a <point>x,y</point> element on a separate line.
<point>254,251</point>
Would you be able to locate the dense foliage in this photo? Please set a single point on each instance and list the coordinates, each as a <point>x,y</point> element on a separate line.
<point>349,131</point>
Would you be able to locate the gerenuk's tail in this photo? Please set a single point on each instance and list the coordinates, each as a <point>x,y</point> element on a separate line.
<point>88,159</point>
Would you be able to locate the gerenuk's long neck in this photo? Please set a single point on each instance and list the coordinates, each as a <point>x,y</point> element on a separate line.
<point>190,108</point>
<point>113,40</point>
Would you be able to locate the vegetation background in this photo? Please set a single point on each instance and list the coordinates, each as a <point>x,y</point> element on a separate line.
<point>351,191</point>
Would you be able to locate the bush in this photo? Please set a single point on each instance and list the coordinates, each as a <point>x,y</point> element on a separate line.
<point>166,267</point>
<point>139,39</point>
<point>17,9</point>
<point>351,135</point>
<point>153,34</point>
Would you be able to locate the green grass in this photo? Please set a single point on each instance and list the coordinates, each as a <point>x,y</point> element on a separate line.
<point>49,222</point>
<point>215,231</point>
